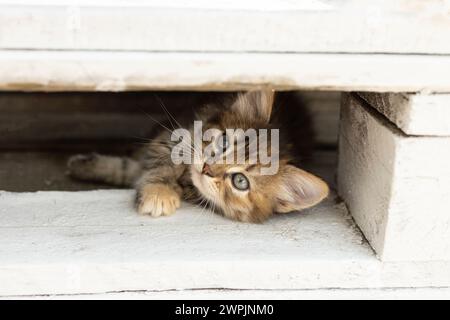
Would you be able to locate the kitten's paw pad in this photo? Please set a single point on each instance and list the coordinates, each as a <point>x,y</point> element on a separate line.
<point>157,200</point>
<point>81,164</point>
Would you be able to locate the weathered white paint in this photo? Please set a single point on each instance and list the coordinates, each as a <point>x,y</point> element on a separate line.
<point>261,5</point>
<point>382,26</point>
<point>93,242</point>
<point>118,71</point>
<point>414,114</point>
<point>224,294</point>
<point>396,187</point>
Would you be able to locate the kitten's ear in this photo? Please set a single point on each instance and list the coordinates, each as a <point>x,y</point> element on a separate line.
<point>299,190</point>
<point>255,104</point>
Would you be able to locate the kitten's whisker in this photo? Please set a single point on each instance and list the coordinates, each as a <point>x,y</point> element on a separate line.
<point>208,212</point>
<point>167,115</point>
<point>171,131</point>
<point>149,139</point>
<point>201,202</point>
<point>167,111</point>
<point>187,145</point>
<point>184,143</point>
<point>200,205</point>
<point>151,118</point>
<point>204,207</point>
<point>159,143</point>
<point>214,208</point>
<point>213,205</point>
<point>162,143</point>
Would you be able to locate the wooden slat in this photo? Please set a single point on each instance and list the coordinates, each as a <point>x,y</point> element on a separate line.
<point>381,26</point>
<point>230,294</point>
<point>46,118</point>
<point>43,118</point>
<point>414,114</point>
<point>94,242</point>
<point>121,71</point>
<point>397,187</point>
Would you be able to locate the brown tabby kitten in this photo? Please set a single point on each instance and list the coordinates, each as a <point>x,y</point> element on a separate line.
<point>238,191</point>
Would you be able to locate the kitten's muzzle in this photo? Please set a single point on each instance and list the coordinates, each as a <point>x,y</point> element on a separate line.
<point>207,170</point>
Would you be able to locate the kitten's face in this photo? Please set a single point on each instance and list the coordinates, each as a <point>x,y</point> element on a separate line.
<point>240,191</point>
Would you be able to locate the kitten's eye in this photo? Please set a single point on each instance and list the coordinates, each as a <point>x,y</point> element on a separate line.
<point>222,143</point>
<point>240,181</point>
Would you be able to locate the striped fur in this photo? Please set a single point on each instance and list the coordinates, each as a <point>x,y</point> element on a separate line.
<point>161,185</point>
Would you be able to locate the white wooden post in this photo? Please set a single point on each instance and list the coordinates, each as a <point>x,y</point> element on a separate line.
<point>397,187</point>
<point>414,114</point>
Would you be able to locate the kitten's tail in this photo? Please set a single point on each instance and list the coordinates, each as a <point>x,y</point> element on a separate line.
<point>118,171</point>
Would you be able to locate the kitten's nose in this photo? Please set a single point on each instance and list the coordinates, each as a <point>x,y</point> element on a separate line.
<point>207,170</point>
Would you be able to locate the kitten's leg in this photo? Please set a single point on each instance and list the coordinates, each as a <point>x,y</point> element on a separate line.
<point>158,192</point>
<point>120,171</point>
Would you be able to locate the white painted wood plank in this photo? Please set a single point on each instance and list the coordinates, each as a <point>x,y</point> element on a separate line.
<point>252,5</point>
<point>396,187</point>
<point>224,294</point>
<point>119,71</point>
<point>414,114</point>
<point>382,26</point>
<point>93,242</point>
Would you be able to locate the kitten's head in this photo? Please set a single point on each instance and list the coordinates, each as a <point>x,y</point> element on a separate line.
<point>240,190</point>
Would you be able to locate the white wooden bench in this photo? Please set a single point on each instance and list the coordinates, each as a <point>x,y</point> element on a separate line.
<point>394,56</point>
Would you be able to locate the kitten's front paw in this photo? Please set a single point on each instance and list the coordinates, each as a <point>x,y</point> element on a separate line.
<point>157,200</point>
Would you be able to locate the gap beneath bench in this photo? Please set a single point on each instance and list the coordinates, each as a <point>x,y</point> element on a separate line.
<point>56,242</point>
